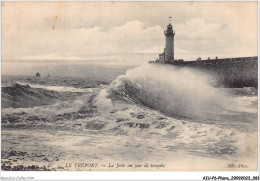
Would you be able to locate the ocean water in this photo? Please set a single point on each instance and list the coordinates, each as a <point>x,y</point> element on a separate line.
<point>172,118</point>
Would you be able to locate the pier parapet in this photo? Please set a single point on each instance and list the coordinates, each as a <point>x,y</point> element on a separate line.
<point>228,72</point>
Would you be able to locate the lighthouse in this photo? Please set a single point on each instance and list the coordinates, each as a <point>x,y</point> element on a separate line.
<point>168,55</point>
<point>169,47</point>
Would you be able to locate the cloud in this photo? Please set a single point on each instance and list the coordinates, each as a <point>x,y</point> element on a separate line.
<point>215,39</point>
<point>84,29</point>
<point>132,37</point>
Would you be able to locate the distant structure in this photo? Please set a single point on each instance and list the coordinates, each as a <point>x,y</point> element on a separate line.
<point>38,74</point>
<point>229,72</point>
<point>168,54</point>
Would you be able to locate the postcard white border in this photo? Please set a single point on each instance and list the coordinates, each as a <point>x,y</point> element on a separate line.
<point>128,175</point>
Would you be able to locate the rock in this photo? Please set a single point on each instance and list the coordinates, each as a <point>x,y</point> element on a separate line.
<point>161,125</point>
<point>143,125</point>
<point>113,111</point>
<point>78,124</point>
<point>20,167</point>
<point>120,119</point>
<point>171,128</point>
<point>95,125</point>
<point>138,125</point>
<point>161,118</point>
<point>140,116</point>
<point>129,124</point>
<point>132,114</point>
<point>12,153</point>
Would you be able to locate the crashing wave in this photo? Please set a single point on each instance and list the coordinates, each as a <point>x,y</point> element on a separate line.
<point>174,91</point>
<point>19,95</point>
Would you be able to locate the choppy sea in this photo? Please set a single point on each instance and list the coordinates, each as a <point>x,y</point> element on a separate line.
<point>152,114</point>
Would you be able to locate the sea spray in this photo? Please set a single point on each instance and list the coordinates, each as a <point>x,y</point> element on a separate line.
<point>175,91</point>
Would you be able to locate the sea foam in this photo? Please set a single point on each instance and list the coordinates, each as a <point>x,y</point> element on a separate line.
<point>176,91</point>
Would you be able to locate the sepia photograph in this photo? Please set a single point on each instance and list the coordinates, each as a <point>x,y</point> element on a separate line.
<point>129,86</point>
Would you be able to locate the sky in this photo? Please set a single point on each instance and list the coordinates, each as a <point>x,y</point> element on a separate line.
<point>49,34</point>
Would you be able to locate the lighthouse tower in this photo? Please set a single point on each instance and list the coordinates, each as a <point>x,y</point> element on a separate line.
<point>169,47</point>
